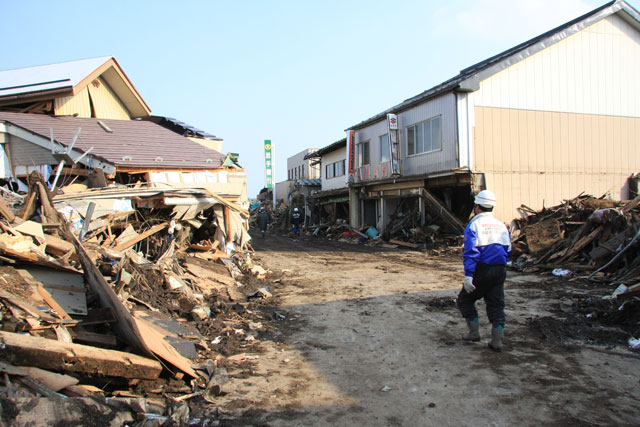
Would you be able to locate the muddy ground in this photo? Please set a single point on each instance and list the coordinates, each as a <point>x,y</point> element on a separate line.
<point>359,335</point>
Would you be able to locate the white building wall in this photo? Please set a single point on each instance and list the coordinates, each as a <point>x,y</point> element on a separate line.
<point>594,71</point>
<point>338,181</point>
<point>296,161</point>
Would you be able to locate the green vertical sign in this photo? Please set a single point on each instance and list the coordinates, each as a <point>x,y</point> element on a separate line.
<point>268,164</point>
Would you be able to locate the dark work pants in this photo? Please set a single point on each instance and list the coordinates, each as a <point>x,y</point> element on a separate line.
<point>489,283</point>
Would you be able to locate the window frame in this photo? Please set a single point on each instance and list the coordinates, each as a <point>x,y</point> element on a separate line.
<point>359,153</point>
<point>421,129</point>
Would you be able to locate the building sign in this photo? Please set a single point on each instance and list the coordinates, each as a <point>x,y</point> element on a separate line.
<point>393,121</point>
<point>351,150</point>
<point>268,164</point>
<point>394,143</point>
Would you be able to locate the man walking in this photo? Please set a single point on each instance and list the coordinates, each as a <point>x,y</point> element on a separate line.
<point>263,221</point>
<point>487,248</point>
<point>295,220</point>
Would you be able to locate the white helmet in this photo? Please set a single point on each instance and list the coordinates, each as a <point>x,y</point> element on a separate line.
<point>486,199</point>
<point>295,209</point>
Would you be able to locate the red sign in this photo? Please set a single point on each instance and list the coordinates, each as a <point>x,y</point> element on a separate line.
<point>351,150</point>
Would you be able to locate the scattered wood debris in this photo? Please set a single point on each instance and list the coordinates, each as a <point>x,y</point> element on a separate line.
<point>121,292</point>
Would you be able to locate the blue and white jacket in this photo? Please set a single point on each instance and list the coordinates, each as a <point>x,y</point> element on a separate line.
<point>486,240</point>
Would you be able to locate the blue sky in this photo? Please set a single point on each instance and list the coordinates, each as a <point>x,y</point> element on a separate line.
<point>296,72</point>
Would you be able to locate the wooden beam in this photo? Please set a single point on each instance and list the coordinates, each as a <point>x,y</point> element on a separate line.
<point>153,230</point>
<point>437,208</point>
<point>60,356</point>
<point>227,223</point>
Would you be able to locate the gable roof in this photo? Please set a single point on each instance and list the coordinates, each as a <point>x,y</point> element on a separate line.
<point>122,143</point>
<point>69,78</point>
<point>328,149</point>
<point>468,80</point>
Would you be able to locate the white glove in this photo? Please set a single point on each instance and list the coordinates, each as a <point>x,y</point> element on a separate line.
<point>468,284</point>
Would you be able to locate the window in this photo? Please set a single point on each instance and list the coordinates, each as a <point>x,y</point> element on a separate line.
<point>385,155</point>
<point>329,171</point>
<point>424,137</point>
<point>335,169</point>
<point>362,153</point>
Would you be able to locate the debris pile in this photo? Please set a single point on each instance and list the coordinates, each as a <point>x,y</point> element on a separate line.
<point>131,302</point>
<point>584,234</point>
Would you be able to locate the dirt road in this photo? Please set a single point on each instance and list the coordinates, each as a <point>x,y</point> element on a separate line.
<point>363,336</point>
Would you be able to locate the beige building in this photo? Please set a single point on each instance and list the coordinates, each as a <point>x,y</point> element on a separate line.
<point>544,121</point>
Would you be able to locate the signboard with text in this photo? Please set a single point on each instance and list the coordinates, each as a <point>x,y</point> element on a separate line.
<point>394,143</point>
<point>351,150</point>
<point>268,164</point>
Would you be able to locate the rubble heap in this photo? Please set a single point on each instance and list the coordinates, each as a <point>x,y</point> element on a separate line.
<point>122,304</point>
<point>592,239</point>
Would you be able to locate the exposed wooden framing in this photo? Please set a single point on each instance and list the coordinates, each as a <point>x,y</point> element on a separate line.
<point>75,171</point>
<point>55,355</point>
<point>436,207</point>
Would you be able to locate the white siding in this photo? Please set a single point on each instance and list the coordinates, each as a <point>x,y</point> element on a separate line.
<point>591,72</point>
<point>338,181</point>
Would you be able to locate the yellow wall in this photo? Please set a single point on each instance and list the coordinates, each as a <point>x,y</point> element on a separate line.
<point>105,103</point>
<point>536,157</point>
<point>70,105</point>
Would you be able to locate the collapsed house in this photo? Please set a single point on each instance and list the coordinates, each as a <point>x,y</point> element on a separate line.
<point>545,120</point>
<point>75,121</point>
<point>127,302</point>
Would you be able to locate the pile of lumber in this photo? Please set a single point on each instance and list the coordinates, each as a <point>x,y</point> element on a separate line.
<point>123,302</point>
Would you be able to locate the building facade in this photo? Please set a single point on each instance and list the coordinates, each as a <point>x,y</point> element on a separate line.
<point>544,121</point>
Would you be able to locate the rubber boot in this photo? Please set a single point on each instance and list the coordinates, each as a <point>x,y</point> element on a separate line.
<point>497,332</point>
<point>474,331</point>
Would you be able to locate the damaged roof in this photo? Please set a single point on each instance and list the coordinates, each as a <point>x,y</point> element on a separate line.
<point>181,128</point>
<point>123,143</point>
<point>468,80</point>
<point>68,78</point>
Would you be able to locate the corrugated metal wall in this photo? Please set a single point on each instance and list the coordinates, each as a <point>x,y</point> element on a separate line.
<point>105,103</point>
<point>531,157</point>
<point>444,106</point>
<point>24,153</point>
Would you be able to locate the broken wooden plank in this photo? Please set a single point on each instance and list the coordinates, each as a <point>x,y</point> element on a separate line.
<point>29,208</point>
<point>6,211</point>
<point>406,244</point>
<point>52,303</point>
<point>54,381</point>
<point>205,273</point>
<point>49,354</point>
<point>153,230</point>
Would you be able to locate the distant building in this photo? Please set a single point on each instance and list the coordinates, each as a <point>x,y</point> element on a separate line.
<point>332,201</point>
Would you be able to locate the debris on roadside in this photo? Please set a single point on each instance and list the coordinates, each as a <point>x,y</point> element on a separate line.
<point>125,294</point>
